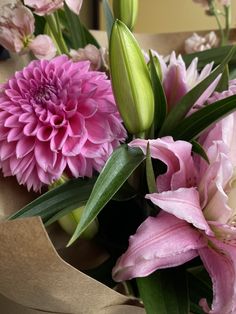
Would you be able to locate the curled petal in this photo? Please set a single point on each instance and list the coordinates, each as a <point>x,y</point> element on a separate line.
<point>184,204</point>
<point>160,242</point>
<point>74,5</point>
<point>220,264</point>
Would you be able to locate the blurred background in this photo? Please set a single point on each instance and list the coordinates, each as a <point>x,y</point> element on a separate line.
<point>159,16</point>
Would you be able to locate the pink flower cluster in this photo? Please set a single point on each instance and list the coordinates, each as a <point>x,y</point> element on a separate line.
<point>16,32</point>
<point>57,116</point>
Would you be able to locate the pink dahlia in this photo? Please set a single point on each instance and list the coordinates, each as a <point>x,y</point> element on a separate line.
<point>57,116</point>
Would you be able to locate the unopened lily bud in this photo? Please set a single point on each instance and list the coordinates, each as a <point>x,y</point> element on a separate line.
<point>130,80</point>
<point>70,221</point>
<point>126,11</point>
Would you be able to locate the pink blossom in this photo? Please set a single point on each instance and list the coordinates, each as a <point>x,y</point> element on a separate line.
<point>42,47</point>
<point>57,116</point>
<point>43,7</point>
<point>198,214</point>
<point>16,32</point>
<point>92,54</point>
<point>178,80</point>
<point>204,3</point>
<point>197,43</point>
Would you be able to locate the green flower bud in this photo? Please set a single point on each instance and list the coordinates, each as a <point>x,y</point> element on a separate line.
<point>131,82</point>
<point>126,11</point>
<point>70,221</point>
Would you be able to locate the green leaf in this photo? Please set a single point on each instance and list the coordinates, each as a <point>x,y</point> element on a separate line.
<point>159,95</point>
<point>165,292</point>
<point>224,81</point>
<point>75,29</point>
<point>207,56</point>
<point>108,16</point>
<point>116,171</point>
<point>192,126</point>
<point>64,198</point>
<point>180,110</point>
<point>198,149</point>
<point>151,182</point>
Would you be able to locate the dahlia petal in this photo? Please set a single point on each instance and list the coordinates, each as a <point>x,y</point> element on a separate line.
<point>45,133</point>
<point>58,141</point>
<point>160,242</point>
<point>220,264</point>
<point>88,108</point>
<point>98,130</point>
<point>30,129</point>
<point>44,156</point>
<point>44,177</point>
<point>11,122</point>
<point>76,125</point>
<point>23,85</point>
<point>77,166</point>
<point>14,134</point>
<point>6,150</point>
<point>184,204</point>
<point>24,146</point>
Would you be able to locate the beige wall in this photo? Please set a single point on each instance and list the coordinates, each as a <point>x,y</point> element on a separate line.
<point>163,16</point>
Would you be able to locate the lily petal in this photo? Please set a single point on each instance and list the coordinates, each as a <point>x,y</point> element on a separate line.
<point>221,266</point>
<point>160,242</point>
<point>184,204</point>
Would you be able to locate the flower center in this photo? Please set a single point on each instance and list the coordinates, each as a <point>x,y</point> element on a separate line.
<point>45,93</point>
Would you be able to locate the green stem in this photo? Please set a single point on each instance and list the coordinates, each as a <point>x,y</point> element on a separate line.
<point>54,25</point>
<point>227,22</point>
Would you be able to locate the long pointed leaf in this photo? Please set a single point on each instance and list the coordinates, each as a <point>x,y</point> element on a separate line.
<point>64,198</point>
<point>192,126</point>
<point>159,96</point>
<point>117,170</point>
<point>165,292</point>
<point>108,16</point>
<point>181,109</point>
<point>207,56</point>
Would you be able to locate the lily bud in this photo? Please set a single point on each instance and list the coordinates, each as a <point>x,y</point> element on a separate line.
<point>126,11</point>
<point>70,221</point>
<point>131,82</point>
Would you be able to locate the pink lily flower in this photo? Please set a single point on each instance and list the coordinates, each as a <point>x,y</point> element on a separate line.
<point>178,79</point>
<point>43,7</point>
<point>16,32</point>
<point>198,216</point>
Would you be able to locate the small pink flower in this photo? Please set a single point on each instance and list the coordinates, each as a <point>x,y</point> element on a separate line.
<point>197,43</point>
<point>225,2</point>
<point>90,53</point>
<point>43,47</point>
<point>204,3</point>
<point>16,32</point>
<point>43,7</point>
<point>57,116</point>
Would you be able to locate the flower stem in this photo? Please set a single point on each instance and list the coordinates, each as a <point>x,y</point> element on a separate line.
<point>54,25</point>
<point>227,22</point>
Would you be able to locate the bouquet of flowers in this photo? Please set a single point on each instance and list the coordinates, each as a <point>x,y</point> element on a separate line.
<point>128,155</point>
